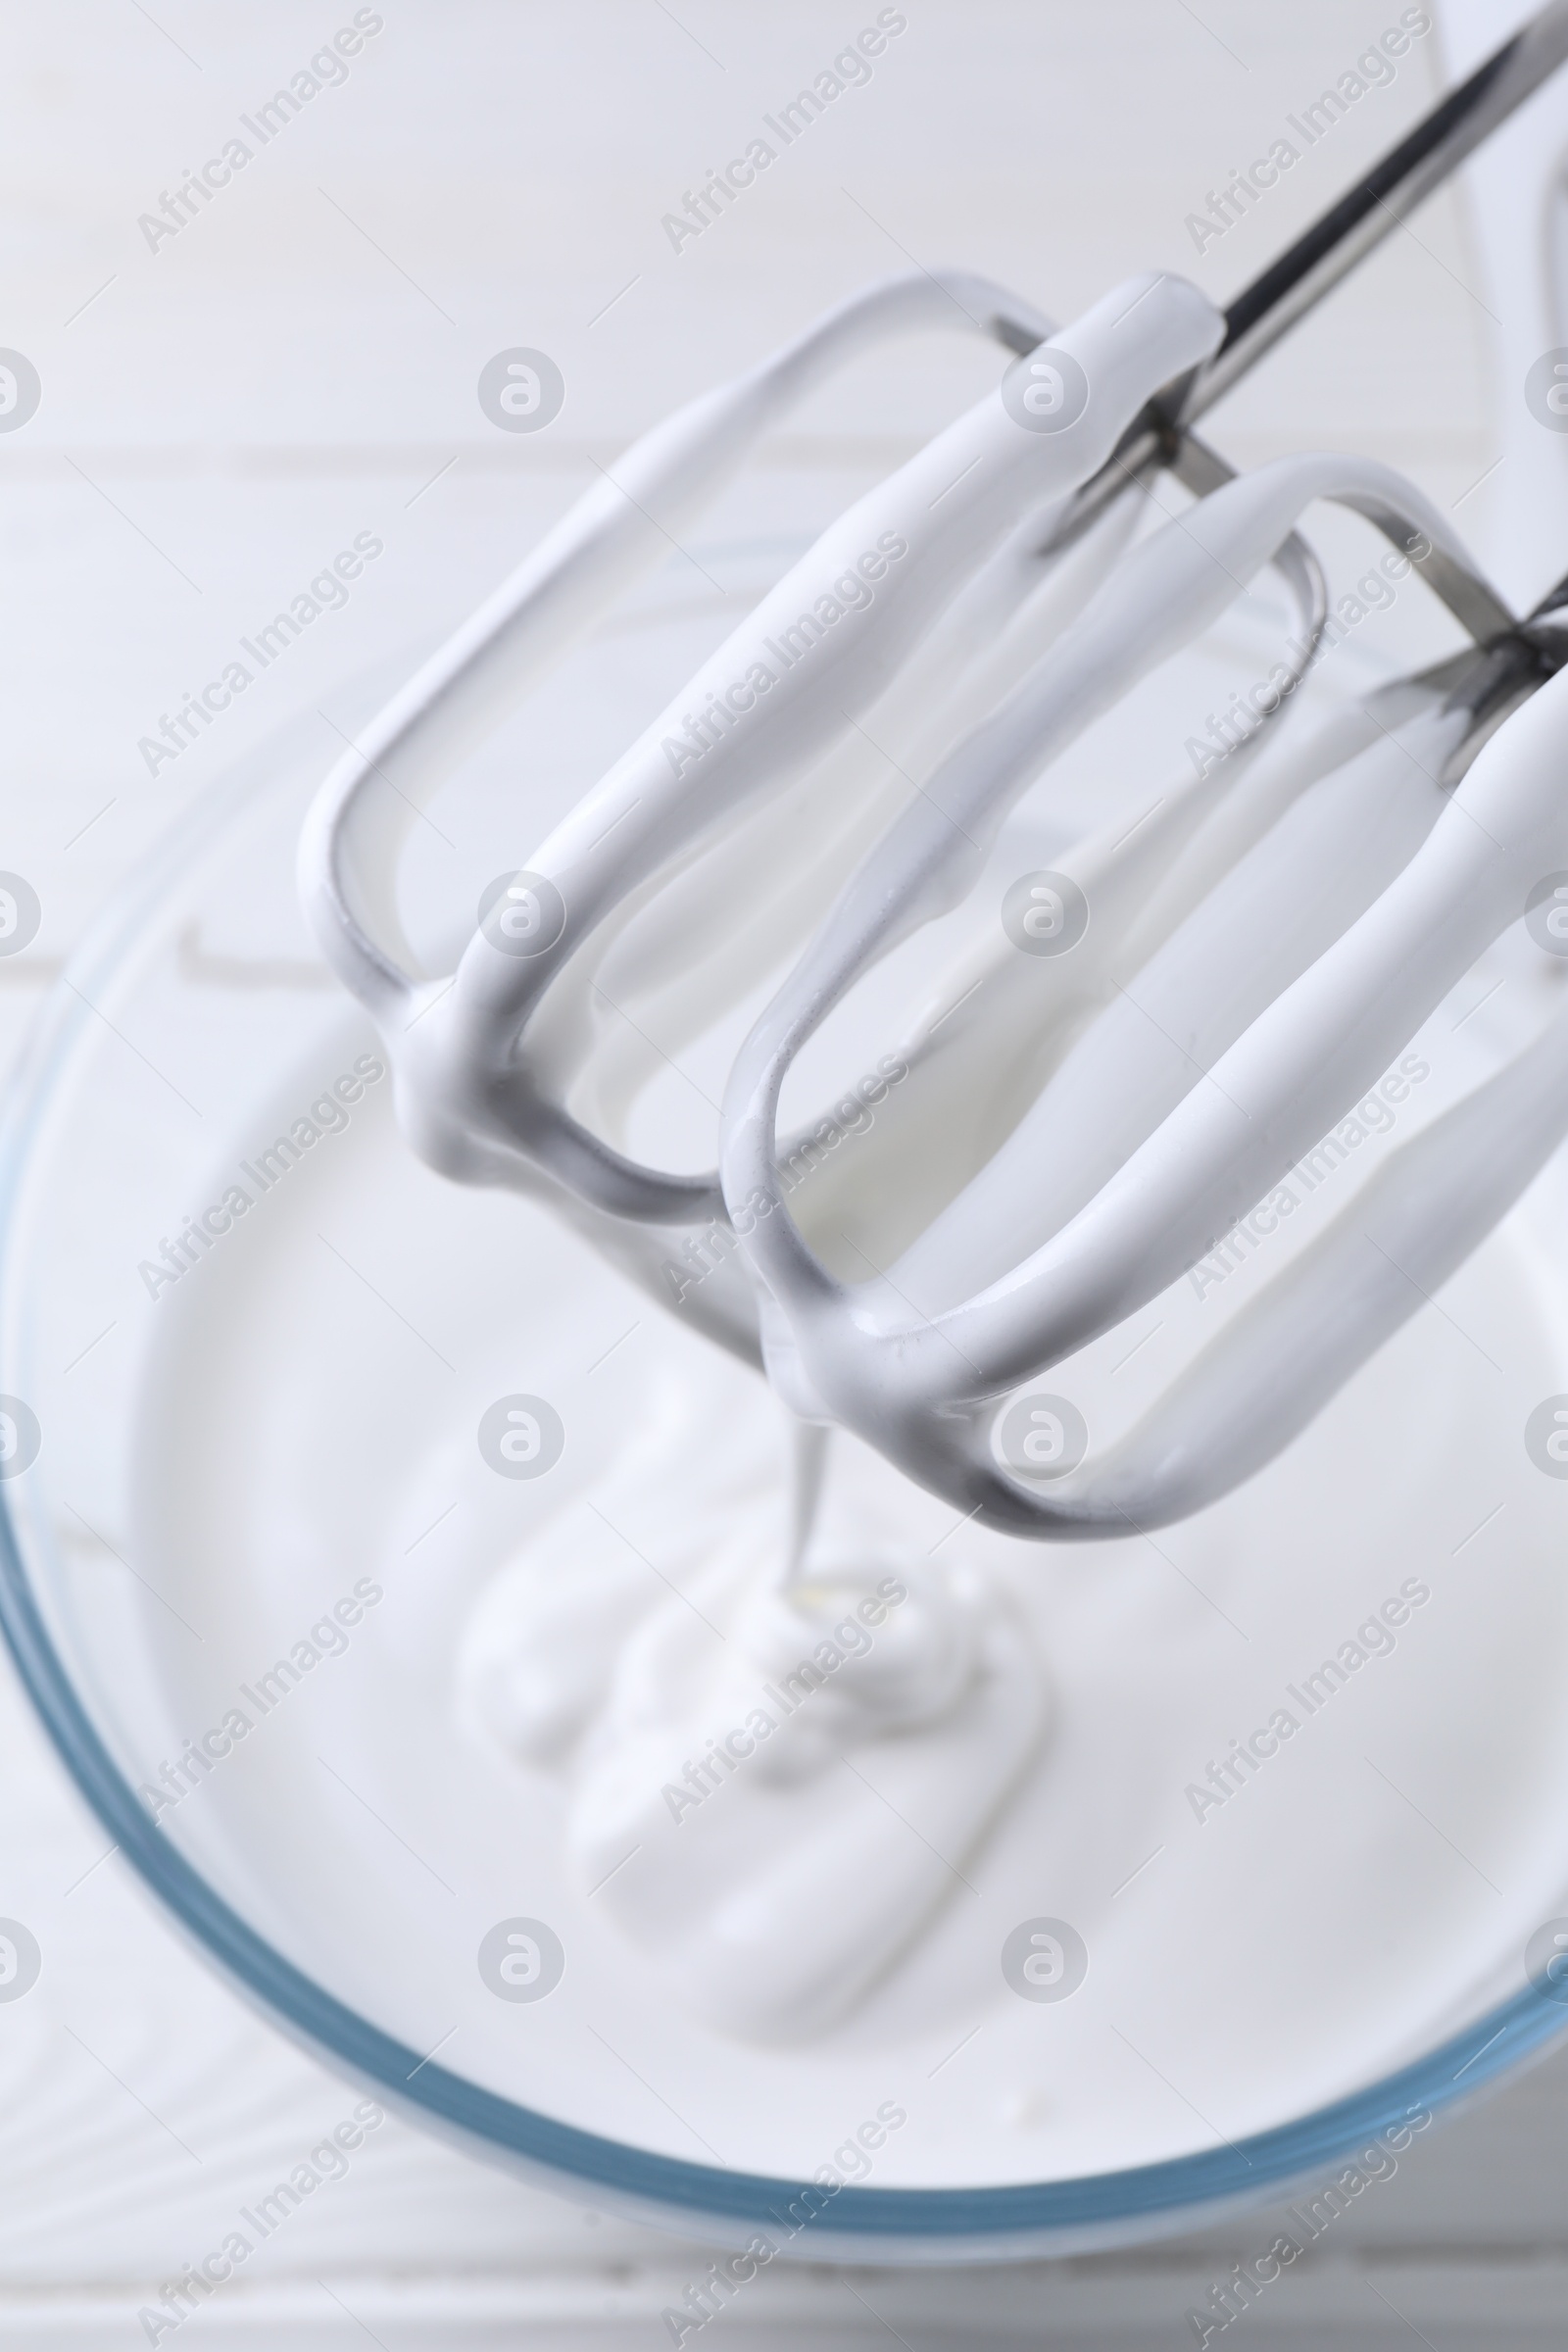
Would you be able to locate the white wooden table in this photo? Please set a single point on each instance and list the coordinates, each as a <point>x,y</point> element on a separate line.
<point>223,407</point>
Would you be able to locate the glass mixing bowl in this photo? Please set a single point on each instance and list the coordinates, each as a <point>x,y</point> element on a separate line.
<point>203,1491</point>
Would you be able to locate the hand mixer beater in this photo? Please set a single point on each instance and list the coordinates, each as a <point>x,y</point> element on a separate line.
<point>1051,1160</point>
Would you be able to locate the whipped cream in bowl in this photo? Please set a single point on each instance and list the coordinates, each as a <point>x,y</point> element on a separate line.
<point>696,1815</point>
<point>719,1801</point>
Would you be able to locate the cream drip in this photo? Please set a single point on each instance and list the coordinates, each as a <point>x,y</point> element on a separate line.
<point>741,1761</point>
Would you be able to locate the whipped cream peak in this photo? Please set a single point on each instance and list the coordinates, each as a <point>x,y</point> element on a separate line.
<point>738,1746</point>
<point>901,1638</point>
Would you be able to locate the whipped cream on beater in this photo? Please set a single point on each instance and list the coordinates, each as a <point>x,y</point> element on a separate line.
<point>745,1739</point>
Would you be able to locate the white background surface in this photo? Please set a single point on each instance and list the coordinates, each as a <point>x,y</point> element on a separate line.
<point>219,417</point>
